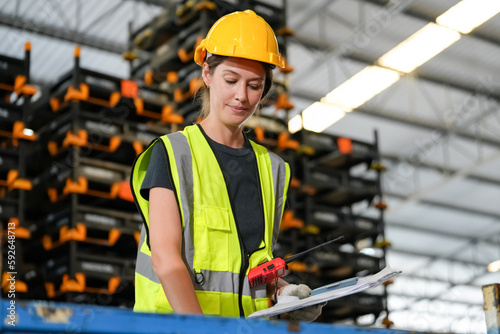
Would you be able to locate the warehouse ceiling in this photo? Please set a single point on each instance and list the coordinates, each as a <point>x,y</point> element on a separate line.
<point>438,127</point>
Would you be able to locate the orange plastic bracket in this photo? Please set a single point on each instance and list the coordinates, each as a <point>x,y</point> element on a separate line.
<point>18,132</point>
<point>114,99</point>
<point>51,291</point>
<point>287,69</point>
<point>172,77</point>
<point>284,103</point>
<point>114,143</point>
<point>259,133</point>
<point>129,88</point>
<point>125,191</point>
<point>77,285</point>
<point>79,233</point>
<point>19,286</point>
<point>148,77</point>
<point>19,82</point>
<point>295,183</point>
<point>139,105</point>
<point>297,266</point>
<point>78,187</point>
<point>179,96</point>
<point>54,104</point>
<point>75,94</point>
<point>81,139</point>
<point>11,176</point>
<point>345,145</point>
<point>13,182</point>
<point>289,221</point>
<point>285,142</point>
<point>205,5</point>
<point>168,116</point>
<point>52,192</point>
<point>195,84</point>
<point>185,56</point>
<point>114,235</point>
<point>138,147</point>
<point>113,284</point>
<point>137,237</point>
<point>20,232</point>
<point>113,193</point>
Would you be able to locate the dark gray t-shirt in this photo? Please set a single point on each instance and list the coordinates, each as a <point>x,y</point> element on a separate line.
<point>241,174</point>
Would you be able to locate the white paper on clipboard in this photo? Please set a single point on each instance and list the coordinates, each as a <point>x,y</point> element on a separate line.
<point>287,304</point>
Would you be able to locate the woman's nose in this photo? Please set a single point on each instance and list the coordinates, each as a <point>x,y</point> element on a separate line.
<point>241,92</point>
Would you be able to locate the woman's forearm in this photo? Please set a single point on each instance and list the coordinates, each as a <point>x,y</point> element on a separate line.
<point>176,282</point>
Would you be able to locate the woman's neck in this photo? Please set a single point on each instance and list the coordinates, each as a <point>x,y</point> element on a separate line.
<point>232,137</point>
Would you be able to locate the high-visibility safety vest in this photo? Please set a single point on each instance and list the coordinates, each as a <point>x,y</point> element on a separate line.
<point>212,248</point>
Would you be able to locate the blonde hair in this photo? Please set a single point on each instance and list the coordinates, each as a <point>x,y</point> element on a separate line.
<point>204,92</point>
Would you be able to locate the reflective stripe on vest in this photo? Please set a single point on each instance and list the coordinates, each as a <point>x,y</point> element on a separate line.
<point>274,174</point>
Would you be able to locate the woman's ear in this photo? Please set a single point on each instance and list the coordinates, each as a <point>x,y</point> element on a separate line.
<point>206,74</point>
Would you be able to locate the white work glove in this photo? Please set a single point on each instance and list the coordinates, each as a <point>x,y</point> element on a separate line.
<point>309,313</point>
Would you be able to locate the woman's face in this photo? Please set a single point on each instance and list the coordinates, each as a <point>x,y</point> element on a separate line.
<point>236,87</point>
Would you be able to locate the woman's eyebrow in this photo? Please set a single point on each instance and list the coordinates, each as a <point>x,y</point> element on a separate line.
<point>237,74</point>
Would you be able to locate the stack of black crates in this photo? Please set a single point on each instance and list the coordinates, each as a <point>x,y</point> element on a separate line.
<point>84,227</point>
<point>161,52</point>
<point>15,93</point>
<point>332,179</point>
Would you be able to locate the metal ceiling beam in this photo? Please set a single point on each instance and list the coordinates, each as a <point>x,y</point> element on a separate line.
<point>448,206</point>
<point>349,44</point>
<point>159,3</point>
<point>440,169</point>
<point>459,174</point>
<point>313,8</point>
<point>485,239</point>
<point>63,34</point>
<point>415,14</point>
<point>407,295</point>
<point>430,279</point>
<point>406,120</point>
<point>433,258</point>
<point>438,295</point>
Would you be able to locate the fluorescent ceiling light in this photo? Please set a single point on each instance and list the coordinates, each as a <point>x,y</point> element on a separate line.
<point>468,14</point>
<point>494,266</point>
<point>295,124</point>
<point>419,48</point>
<point>361,87</point>
<point>319,116</point>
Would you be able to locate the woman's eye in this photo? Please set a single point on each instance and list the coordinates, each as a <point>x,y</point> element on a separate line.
<point>255,87</point>
<point>231,82</point>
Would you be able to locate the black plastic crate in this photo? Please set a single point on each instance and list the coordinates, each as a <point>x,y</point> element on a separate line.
<point>337,152</point>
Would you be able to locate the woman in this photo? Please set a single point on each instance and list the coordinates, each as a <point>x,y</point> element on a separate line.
<point>211,199</point>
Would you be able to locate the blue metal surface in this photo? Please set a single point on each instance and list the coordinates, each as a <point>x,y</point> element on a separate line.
<point>42,317</point>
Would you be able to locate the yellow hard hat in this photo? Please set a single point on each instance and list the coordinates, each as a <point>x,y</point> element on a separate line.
<point>242,35</point>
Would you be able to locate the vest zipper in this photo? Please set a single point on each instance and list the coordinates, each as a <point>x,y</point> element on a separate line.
<point>244,253</point>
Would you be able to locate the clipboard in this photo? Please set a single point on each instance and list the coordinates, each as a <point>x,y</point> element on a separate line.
<point>291,303</point>
<point>336,285</point>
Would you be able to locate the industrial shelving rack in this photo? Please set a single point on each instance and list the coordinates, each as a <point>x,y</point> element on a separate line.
<point>330,175</point>
<point>339,173</point>
<point>161,52</point>
<point>15,93</point>
<point>85,228</point>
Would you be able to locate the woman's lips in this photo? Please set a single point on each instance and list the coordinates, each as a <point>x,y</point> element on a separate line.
<point>238,109</point>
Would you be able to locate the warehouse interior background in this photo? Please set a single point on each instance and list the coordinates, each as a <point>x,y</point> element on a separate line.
<point>438,122</point>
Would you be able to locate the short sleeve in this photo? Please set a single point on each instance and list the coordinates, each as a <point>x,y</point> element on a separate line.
<point>158,172</point>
